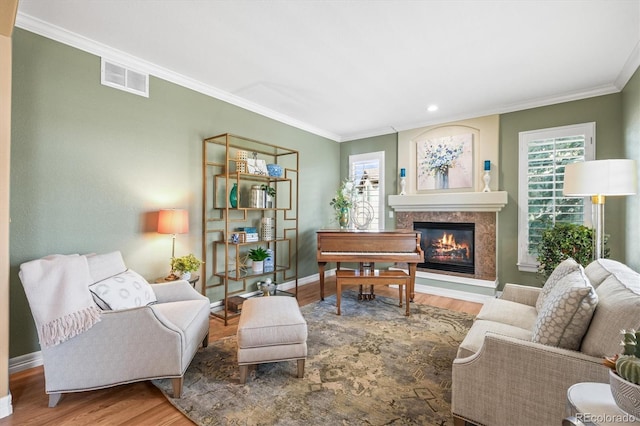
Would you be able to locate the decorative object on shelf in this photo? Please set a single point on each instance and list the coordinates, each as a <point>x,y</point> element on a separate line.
<point>267,228</point>
<point>257,167</point>
<point>275,170</point>
<point>268,288</point>
<point>185,265</point>
<point>362,215</point>
<point>403,182</point>
<point>233,196</point>
<point>173,221</point>
<point>342,202</point>
<point>445,162</point>
<point>269,263</point>
<point>257,197</point>
<point>624,376</point>
<point>241,161</point>
<point>599,179</point>
<point>487,176</point>
<point>258,255</point>
<point>269,193</point>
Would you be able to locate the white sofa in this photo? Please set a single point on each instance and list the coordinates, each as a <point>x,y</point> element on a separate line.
<point>509,370</point>
<point>156,338</point>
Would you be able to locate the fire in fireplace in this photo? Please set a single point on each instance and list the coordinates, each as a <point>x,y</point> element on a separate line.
<point>447,246</point>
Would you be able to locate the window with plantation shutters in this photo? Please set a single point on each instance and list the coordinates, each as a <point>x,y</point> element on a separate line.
<point>541,204</point>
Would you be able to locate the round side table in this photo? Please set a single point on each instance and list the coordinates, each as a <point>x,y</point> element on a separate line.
<point>591,404</point>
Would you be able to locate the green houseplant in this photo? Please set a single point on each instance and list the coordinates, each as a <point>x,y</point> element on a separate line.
<point>342,202</point>
<point>258,255</point>
<point>185,265</point>
<point>562,241</point>
<point>624,376</point>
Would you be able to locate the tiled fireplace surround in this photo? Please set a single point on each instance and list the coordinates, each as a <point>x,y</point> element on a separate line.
<point>480,208</point>
<point>485,237</point>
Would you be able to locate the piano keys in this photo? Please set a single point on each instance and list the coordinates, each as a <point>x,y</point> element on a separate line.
<point>370,246</point>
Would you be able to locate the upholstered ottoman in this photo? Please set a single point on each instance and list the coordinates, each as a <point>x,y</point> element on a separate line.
<point>271,329</point>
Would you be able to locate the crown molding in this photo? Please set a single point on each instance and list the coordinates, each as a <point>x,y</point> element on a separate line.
<point>61,35</point>
<point>77,41</point>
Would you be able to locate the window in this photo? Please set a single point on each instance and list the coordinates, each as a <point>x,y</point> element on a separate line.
<point>367,171</point>
<point>543,155</point>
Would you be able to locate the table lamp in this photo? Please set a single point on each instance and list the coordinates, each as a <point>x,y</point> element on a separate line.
<point>599,179</point>
<point>173,221</point>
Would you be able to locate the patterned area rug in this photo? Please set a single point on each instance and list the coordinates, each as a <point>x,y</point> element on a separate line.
<point>369,366</point>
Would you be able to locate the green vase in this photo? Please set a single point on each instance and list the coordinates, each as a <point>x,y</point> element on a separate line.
<point>233,196</point>
<point>343,218</point>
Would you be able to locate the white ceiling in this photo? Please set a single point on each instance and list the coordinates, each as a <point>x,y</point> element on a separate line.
<point>351,69</point>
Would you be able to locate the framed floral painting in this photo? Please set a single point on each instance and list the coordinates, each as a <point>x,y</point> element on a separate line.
<point>445,162</point>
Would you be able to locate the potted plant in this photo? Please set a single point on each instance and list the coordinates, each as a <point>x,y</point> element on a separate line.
<point>562,241</point>
<point>185,265</point>
<point>624,374</point>
<point>342,202</point>
<point>258,255</point>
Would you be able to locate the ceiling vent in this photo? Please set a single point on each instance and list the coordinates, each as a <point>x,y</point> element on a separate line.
<point>120,77</point>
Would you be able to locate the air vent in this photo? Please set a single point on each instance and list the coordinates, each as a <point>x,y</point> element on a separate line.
<point>123,78</point>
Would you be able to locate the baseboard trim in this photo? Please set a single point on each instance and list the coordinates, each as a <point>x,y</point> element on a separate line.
<point>6,409</point>
<point>25,362</point>
<point>453,294</point>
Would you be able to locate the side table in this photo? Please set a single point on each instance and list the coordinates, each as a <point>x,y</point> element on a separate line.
<point>591,404</point>
<point>193,280</point>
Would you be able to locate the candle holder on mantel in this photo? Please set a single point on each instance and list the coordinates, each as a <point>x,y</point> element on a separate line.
<point>403,182</point>
<point>487,176</point>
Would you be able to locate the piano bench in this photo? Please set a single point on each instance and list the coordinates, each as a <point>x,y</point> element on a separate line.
<point>377,277</point>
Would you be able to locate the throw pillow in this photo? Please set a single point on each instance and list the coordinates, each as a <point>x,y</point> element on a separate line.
<point>102,266</point>
<point>565,267</point>
<point>123,291</point>
<point>566,313</point>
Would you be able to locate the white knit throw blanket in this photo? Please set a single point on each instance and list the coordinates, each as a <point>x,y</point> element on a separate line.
<point>57,288</point>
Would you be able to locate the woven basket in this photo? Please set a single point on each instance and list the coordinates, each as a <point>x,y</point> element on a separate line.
<point>625,394</point>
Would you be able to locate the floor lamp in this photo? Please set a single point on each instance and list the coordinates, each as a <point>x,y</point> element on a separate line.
<point>599,179</point>
<point>173,221</point>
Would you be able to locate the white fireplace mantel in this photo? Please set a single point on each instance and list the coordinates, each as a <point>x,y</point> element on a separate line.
<point>450,201</point>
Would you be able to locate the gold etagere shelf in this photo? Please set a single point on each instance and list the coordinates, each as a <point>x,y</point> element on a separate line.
<point>230,160</point>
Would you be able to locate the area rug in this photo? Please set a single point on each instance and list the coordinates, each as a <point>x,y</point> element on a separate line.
<point>369,366</point>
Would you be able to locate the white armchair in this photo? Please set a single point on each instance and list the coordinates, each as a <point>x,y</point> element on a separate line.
<point>156,340</point>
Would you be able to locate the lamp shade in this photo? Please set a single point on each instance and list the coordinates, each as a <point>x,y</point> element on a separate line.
<point>173,221</point>
<point>600,177</point>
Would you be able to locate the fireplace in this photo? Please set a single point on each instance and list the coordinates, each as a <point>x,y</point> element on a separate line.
<point>447,246</point>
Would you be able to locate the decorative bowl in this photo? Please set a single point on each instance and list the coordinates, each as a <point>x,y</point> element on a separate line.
<point>274,170</point>
<point>625,394</point>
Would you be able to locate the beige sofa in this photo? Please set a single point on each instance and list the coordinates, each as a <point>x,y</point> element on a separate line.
<point>510,370</point>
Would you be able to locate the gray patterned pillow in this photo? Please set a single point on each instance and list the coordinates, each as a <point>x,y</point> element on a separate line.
<point>565,267</point>
<point>123,291</point>
<point>566,313</point>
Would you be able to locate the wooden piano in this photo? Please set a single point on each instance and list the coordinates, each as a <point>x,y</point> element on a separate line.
<point>349,245</point>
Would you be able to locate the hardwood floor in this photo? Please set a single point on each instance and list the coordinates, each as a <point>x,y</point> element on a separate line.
<point>142,403</point>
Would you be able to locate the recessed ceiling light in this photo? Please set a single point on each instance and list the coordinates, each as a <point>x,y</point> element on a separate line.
<point>432,108</point>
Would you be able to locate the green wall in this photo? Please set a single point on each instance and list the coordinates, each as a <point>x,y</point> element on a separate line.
<point>606,111</point>
<point>386,143</point>
<point>90,166</point>
<point>631,128</point>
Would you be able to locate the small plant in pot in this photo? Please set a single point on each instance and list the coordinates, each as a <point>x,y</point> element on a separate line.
<point>258,255</point>
<point>624,376</point>
<point>185,265</point>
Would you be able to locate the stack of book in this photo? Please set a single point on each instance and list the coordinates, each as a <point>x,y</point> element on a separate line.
<point>251,234</point>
